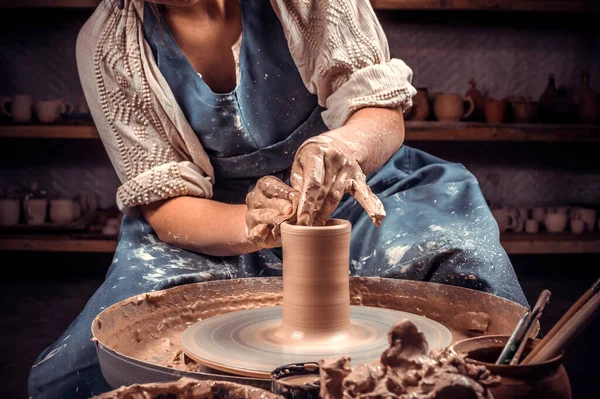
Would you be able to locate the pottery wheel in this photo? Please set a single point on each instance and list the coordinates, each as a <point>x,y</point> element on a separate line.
<point>245,342</point>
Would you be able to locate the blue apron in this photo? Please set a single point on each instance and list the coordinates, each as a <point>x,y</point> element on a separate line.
<point>438,226</point>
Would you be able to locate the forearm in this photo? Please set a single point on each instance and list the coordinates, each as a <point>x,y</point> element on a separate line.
<point>200,225</point>
<point>374,134</point>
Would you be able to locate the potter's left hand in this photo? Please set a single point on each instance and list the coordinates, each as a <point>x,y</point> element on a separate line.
<point>324,169</point>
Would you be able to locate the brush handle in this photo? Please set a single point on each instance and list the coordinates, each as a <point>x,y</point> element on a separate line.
<point>569,332</point>
<point>566,317</point>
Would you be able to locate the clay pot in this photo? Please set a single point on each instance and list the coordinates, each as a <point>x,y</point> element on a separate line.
<point>556,222</point>
<point>451,107</point>
<point>495,110</point>
<point>548,380</point>
<point>587,102</point>
<point>524,111</point>
<point>421,109</point>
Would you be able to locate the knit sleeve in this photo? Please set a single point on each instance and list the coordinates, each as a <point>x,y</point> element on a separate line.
<point>135,120</point>
<point>342,54</point>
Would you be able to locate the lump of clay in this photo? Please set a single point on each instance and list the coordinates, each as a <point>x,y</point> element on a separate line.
<point>189,388</point>
<point>407,370</point>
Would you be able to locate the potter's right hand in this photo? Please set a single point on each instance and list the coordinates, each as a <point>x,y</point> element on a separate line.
<point>271,203</point>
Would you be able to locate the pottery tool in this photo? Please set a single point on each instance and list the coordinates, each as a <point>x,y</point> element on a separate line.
<point>536,314</point>
<point>514,340</point>
<point>568,332</point>
<point>566,317</point>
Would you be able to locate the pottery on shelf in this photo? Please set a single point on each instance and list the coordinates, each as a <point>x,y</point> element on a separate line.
<point>495,110</point>
<point>421,109</point>
<point>587,102</point>
<point>478,99</point>
<point>524,111</point>
<point>450,107</point>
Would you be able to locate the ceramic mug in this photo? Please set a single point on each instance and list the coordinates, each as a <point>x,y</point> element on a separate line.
<point>587,215</point>
<point>51,110</point>
<point>506,219</point>
<point>62,211</point>
<point>9,212</point>
<point>577,226</point>
<point>532,226</point>
<point>524,111</point>
<point>451,107</point>
<point>20,110</point>
<point>556,222</point>
<point>495,110</point>
<point>35,211</point>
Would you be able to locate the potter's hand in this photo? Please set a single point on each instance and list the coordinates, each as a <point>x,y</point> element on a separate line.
<point>324,169</point>
<point>271,203</point>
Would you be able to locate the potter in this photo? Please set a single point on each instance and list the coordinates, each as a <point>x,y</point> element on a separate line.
<point>206,115</point>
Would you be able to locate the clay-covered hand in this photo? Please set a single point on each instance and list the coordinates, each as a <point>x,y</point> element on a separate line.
<point>270,203</point>
<point>324,169</point>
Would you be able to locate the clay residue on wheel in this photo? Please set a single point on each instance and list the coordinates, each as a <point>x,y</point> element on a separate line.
<point>148,327</point>
<point>407,370</point>
<point>188,388</point>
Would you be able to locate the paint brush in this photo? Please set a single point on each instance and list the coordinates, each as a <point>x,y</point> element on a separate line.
<point>570,330</point>
<point>595,288</point>
<point>514,340</point>
<point>536,314</point>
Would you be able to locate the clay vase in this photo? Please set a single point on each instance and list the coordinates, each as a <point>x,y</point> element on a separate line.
<point>478,99</point>
<point>495,110</point>
<point>547,99</point>
<point>420,110</point>
<point>548,380</point>
<point>316,281</point>
<point>451,107</point>
<point>587,102</point>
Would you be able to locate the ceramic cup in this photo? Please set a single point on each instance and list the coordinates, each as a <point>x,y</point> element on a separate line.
<point>495,110</point>
<point>62,211</point>
<point>35,211</point>
<point>589,216</point>
<point>577,226</point>
<point>20,107</point>
<point>555,222</point>
<point>532,226</point>
<point>538,214</point>
<point>507,219</point>
<point>52,110</point>
<point>451,107</point>
<point>9,212</point>
<point>524,111</point>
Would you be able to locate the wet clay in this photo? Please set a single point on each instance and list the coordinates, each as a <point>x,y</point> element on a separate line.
<point>188,388</point>
<point>315,281</point>
<point>407,369</point>
<point>308,379</point>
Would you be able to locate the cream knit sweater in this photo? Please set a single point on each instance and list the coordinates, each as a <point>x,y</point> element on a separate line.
<point>338,46</point>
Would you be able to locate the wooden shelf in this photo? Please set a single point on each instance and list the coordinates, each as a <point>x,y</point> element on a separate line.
<point>551,243</point>
<point>49,131</point>
<point>514,243</point>
<point>467,131</point>
<point>49,3</point>
<point>578,6</point>
<point>415,131</point>
<point>56,243</point>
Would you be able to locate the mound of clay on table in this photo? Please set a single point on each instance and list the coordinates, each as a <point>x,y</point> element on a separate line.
<point>189,388</point>
<point>407,370</point>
